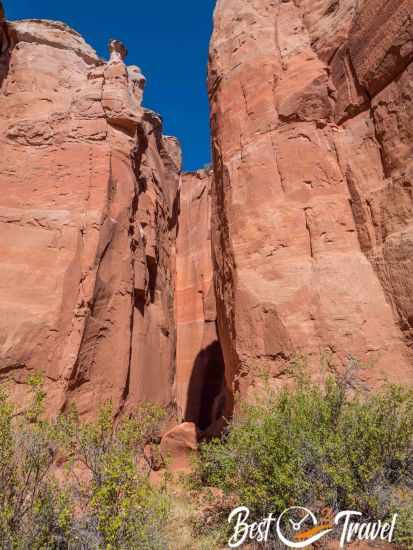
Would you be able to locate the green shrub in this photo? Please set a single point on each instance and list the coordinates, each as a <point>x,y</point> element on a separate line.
<point>316,447</point>
<point>104,501</point>
<point>404,528</point>
<point>31,505</point>
<point>121,510</point>
<point>311,446</point>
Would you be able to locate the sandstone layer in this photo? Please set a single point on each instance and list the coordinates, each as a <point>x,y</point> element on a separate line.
<point>88,221</point>
<point>311,116</point>
<point>122,278</point>
<point>200,369</point>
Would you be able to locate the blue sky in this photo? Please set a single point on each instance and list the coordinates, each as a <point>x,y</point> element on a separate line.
<point>167,39</point>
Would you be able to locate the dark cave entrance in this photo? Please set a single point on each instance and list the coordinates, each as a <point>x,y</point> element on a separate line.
<point>206,395</point>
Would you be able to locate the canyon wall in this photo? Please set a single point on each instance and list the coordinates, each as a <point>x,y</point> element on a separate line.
<point>122,278</point>
<point>88,216</point>
<point>311,116</point>
<point>200,368</point>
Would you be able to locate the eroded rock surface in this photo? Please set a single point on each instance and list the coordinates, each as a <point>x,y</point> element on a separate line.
<point>200,368</point>
<point>179,445</point>
<point>88,225</point>
<point>311,113</point>
<point>123,279</point>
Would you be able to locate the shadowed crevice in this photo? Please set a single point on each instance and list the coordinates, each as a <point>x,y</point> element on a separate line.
<point>205,402</point>
<point>5,47</point>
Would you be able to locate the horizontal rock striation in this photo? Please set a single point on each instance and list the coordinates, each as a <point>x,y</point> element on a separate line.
<point>88,220</point>
<point>122,278</point>
<point>311,115</point>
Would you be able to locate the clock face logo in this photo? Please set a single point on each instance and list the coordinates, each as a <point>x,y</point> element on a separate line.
<point>297,527</point>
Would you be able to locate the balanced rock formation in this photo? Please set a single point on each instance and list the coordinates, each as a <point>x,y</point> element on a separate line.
<point>311,115</point>
<point>88,221</point>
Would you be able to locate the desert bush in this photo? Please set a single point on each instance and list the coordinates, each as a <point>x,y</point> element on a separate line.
<point>120,509</point>
<point>404,531</point>
<point>104,499</point>
<point>32,508</point>
<point>310,446</point>
<point>315,446</point>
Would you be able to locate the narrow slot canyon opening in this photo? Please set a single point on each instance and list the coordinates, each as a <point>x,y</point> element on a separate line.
<point>206,390</point>
<point>153,275</point>
<point>139,301</point>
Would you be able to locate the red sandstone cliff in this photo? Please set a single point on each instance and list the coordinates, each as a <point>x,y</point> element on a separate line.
<point>111,259</point>
<point>311,115</point>
<point>200,369</point>
<point>88,224</point>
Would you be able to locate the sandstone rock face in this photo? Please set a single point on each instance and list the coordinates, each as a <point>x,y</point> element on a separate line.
<point>311,114</point>
<point>178,446</point>
<point>123,279</point>
<point>88,222</point>
<point>199,363</point>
